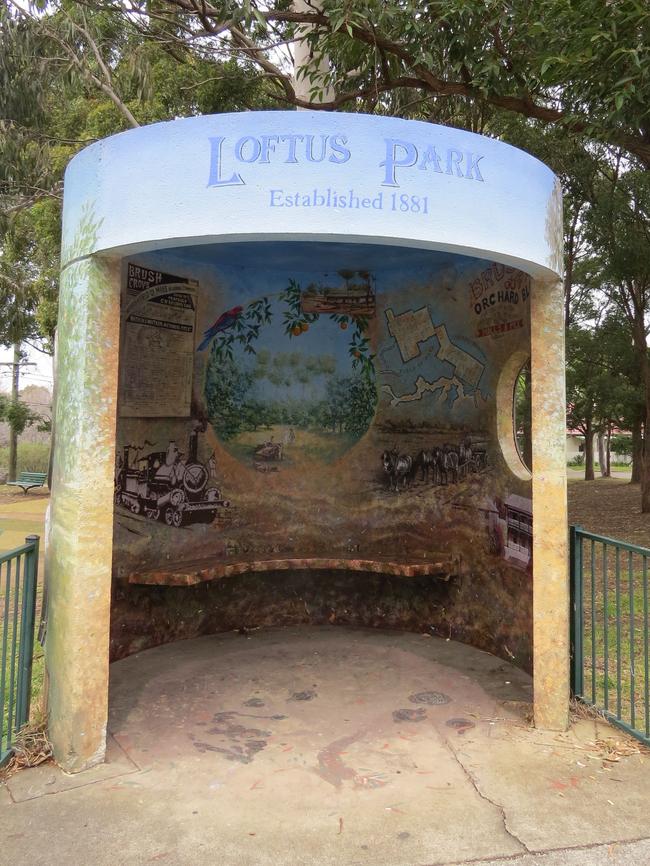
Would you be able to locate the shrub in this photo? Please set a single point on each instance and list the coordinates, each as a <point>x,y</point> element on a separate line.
<point>32,457</point>
<point>621,445</point>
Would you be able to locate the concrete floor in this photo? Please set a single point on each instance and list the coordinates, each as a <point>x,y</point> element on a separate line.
<point>330,746</point>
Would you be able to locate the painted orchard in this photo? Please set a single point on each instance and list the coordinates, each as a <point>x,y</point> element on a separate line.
<point>299,407</point>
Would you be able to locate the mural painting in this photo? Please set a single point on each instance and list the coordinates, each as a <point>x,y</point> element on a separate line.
<point>511,530</point>
<point>444,465</point>
<point>498,299</point>
<point>340,418</point>
<point>159,313</point>
<point>290,377</point>
<point>169,485</point>
<point>422,362</point>
<point>340,383</point>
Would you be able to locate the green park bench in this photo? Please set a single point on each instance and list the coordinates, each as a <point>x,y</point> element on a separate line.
<point>27,480</point>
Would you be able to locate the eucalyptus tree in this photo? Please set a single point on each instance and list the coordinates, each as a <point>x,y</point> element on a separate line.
<point>72,74</point>
<point>568,81</point>
<point>607,278</point>
<point>582,66</point>
<point>603,391</point>
<point>618,226</point>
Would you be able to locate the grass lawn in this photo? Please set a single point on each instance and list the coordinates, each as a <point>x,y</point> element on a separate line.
<point>10,689</point>
<point>616,610</point>
<point>20,516</point>
<point>616,672</point>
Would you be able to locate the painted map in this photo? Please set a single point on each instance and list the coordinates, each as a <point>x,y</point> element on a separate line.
<point>414,328</point>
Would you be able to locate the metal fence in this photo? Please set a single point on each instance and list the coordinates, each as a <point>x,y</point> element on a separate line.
<point>609,633</point>
<point>18,581</point>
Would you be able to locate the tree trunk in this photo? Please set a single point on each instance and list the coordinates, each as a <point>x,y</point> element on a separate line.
<point>602,460</point>
<point>303,54</point>
<point>608,450</point>
<point>589,451</point>
<point>637,452</point>
<point>645,452</point>
<point>569,260</point>
<point>641,351</point>
<point>13,433</point>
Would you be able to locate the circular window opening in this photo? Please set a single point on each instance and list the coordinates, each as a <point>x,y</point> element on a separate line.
<point>522,418</point>
<point>514,414</point>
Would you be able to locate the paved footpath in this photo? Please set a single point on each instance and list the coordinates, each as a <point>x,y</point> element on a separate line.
<point>332,747</point>
<point>613,854</point>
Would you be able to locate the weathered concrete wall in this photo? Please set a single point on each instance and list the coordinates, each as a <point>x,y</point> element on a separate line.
<point>78,553</point>
<point>461,608</point>
<point>550,545</point>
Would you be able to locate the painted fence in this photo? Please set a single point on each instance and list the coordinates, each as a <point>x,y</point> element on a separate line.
<point>610,640</point>
<point>18,582</point>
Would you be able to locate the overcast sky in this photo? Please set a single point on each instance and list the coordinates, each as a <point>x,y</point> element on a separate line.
<point>41,374</point>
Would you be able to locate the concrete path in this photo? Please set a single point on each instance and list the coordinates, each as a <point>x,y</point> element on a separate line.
<point>331,747</point>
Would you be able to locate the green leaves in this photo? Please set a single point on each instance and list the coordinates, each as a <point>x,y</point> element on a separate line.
<point>71,73</point>
<point>243,332</point>
<point>17,414</point>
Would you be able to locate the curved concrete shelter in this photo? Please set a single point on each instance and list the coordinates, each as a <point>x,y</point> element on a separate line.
<point>287,352</point>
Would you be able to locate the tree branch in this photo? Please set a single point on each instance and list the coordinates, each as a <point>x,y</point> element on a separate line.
<point>524,103</point>
<point>38,195</point>
<point>104,85</point>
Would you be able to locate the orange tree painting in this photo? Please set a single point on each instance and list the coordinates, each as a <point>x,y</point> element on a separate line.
<point>318,394</point>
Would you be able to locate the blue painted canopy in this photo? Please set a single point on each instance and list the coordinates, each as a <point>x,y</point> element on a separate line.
<point>313,176</point>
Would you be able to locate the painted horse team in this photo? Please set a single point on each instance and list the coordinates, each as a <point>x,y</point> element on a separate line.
<point>446,464</point>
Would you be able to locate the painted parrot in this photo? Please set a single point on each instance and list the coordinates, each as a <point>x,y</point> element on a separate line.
<point>226,320</point>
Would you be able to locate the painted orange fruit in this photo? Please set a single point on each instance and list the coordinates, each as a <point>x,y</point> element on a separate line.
<point>344,326</point>
<point>296,330</point>
<point>304,326</point>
